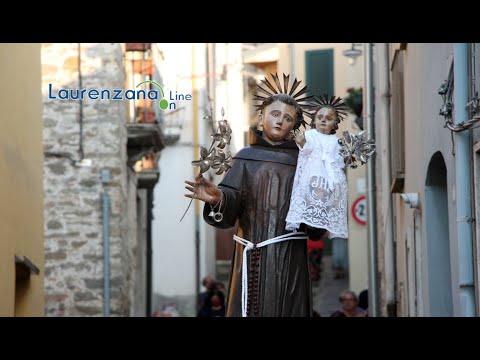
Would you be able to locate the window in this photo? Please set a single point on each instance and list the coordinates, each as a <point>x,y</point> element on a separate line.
<point>319,72</point>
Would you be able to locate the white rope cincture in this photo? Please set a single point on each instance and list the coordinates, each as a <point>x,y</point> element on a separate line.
<point>249,246</point>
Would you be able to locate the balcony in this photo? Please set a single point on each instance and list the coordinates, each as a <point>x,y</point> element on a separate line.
<point>145,112</point>
<point>143,140</point>
<point>145,137</point>
<point>147,171</point>
<point>143,67</point>
<point>137,46</point>
<point>145,115</point>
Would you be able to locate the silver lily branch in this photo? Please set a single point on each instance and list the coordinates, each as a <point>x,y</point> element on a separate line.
<point>215,157</point>
<point>356,148</point>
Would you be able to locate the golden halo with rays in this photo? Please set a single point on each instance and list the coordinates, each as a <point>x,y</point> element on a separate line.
<point>335,102</point>
<point>271,91</point>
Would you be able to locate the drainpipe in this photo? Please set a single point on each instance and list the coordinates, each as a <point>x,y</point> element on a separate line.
<point>105,178</point>
<point>389,250</point>
<point>149,248</point>
<point>196,154</point>
<point>80,85</point>
<point>371,204</point>
<point>463,164</point>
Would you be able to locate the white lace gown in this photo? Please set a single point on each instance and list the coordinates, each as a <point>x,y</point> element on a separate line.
<point>319,194</point>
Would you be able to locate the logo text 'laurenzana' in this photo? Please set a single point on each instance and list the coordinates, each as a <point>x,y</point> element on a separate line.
<point>120,94</point>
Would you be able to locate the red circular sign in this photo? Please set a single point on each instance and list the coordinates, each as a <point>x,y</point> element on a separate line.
<point>359,210</point>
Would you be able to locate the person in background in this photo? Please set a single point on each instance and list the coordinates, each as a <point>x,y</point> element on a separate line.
<point>315,254</point>
<point>214,305</point>
<point>168,310</point>
<point>363,299</point>
<point>209,283</point>
<point>350,308</point>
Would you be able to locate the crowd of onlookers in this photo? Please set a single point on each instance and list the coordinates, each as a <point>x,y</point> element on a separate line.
<point>211,302</point>
<point>352,306</point>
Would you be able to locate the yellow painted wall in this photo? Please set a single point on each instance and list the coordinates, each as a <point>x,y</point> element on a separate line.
<point>21,173</point>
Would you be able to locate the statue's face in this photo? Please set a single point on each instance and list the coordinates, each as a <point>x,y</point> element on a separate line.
<point>325,120</point>
<point>278,120</point>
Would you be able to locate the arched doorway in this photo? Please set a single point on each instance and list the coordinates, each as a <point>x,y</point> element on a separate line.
<point>438,239</point>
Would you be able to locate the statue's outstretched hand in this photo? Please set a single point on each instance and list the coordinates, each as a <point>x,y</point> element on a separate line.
<point>204,190</point>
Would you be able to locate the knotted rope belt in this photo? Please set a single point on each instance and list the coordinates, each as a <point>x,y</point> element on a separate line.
<point>249,246</point>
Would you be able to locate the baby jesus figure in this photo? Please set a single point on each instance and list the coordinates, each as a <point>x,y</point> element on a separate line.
<point>319,195</point>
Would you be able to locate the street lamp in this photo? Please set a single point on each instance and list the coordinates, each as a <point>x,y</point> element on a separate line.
<point>352,54</point>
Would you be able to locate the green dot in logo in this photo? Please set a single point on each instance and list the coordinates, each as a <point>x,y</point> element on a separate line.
<point>163,104</point>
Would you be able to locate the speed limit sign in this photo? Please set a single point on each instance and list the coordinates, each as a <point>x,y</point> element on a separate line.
<point>359,210</point>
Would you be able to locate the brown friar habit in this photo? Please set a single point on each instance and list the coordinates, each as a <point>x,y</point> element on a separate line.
<point>257,192</point>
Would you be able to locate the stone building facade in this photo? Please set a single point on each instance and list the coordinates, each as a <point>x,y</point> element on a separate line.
<point>82,138</point>
<point>427,243</point>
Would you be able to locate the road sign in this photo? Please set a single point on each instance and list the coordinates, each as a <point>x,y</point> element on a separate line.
<point>359,210</point>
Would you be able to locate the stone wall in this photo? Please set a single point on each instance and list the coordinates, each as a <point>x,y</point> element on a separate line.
<point>73,211</point>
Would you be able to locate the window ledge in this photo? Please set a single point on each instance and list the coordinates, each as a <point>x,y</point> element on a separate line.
<point>24,268</point>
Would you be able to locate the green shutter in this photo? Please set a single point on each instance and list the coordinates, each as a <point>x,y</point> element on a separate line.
<point>319,71</point>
